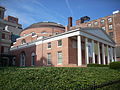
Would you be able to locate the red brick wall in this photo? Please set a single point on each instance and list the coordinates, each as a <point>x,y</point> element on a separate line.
<point>28,51</point>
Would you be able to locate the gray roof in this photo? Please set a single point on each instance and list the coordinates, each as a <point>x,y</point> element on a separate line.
<point>99,33</point>
<point>45,24</point>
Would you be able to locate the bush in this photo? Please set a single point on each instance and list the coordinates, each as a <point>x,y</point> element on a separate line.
<point>97,65</point>
<point>115,65</point>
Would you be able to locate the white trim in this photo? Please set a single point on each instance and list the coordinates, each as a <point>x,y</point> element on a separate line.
<point>34,36</point>
<point>71,33</point>
<point>24,36</point>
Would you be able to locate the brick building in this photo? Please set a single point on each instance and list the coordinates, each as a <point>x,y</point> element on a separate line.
<point>9,31</point>
<point>110,24</point>
<point>52,44</point>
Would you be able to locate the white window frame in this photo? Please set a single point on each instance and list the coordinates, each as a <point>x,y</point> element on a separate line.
<point>49,59</point>
<point>103,28</point>
<point>96,23</point>
<point>110,27</point>
<point>48,45</point>
<point>89,25</point>
<point>33,55</point>
<point>58,43</point>
<point>102,21</point>
<point>110,19</point>
<point>22,59</point>
<point>59,58</point>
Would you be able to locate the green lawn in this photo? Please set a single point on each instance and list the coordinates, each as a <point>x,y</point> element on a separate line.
<point>54,77</point>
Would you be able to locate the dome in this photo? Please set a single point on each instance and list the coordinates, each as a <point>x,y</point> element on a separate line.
<point>45,24</point>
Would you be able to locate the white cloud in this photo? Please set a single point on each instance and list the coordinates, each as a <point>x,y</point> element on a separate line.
<point>68,5</point>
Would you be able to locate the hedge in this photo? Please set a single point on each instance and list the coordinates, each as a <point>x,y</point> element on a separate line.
<point>115,65</point>
<point>97,65</point>
<point>54,78</point>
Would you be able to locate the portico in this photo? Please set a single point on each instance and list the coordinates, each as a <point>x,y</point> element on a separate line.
<point>96,52</point>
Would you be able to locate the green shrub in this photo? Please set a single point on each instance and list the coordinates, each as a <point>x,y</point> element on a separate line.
<point>115,65</point>
<point>97,65</point>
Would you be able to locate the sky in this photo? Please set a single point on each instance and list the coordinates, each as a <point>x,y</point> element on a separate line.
<point>33,11</point>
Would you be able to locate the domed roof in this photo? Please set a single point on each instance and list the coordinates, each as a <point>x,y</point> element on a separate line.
<point>45,24</point>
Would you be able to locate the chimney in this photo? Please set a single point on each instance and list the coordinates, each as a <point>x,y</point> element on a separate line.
<point>69,21</point>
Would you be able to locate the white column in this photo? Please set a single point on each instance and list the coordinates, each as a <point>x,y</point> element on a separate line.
<point>99,61</point>
<point>79,50</point>
<point>115,54</point>
<point>86,51</point>
<point>103,54</point>
<point>111,51</point>
<point>93,57</point>
<point>108,57</point>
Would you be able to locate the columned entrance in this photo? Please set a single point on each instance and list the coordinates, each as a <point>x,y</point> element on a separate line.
<point>94,52</point>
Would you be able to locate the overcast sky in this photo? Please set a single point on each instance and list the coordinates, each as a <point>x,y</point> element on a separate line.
<point>33,11</point>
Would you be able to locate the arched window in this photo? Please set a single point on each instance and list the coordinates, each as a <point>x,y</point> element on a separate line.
<point>22,59</point>
<point>33,59</point>
<point>23,41</point>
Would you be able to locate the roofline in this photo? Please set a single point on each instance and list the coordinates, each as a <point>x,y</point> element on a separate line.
<point>75,31</point>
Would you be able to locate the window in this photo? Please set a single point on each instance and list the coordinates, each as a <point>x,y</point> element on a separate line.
<point>2,49</point>
<point>6,49</point>
<point>103,28</point>
<point>49,58</point>
<point>33,33</point>
<point>110,27</point>
<point>49,45</point>
<point>59,42</point>
<point>23,41</point>
<point>44,32</point>
<point>96,23</point>
<point>32,59</point>
<point>102,21</point>
<point>89,25</point>
<point>59,57</point>
<point>3,35</point>
<point>109,19</point>
<point>111,34</point>
<point>22,59</point>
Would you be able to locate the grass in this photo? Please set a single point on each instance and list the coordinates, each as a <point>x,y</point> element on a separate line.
<point>54,77</point>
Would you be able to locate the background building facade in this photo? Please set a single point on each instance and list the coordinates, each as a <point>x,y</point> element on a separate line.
<point>9,32</point>
<point>110,24</point>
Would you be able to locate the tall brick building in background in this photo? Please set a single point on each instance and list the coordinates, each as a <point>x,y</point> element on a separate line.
<point>110,24</point>
<point>9,32</point>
